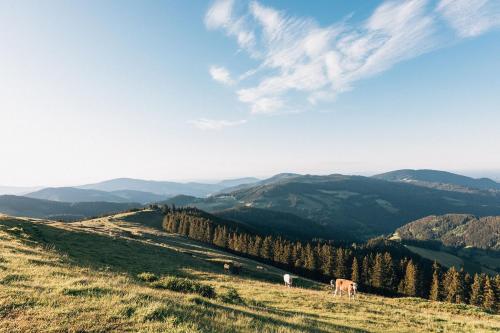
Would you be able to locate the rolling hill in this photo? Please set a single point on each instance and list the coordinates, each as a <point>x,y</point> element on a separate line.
<point>441,180</point>
<point>85,277</point>
<point>360,206</point>
<point>455,230</point>
<point>276,223</point>
<point>38,208</point>
<point>165,188</point>
<point>71,194</point>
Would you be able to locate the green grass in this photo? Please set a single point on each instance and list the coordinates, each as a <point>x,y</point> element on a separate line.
<point>83,277</point>
<point>473,261</point>
<point>444,258</point>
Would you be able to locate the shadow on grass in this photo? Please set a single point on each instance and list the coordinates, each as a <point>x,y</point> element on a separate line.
<point>281,323</point>
<point>106,253</point>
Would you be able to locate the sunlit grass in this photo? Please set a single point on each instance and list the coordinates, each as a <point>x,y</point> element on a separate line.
<point>58,278</point>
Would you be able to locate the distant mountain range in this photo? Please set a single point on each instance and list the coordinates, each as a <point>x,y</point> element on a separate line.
<point>166,188</point>
<point>17,190</point>
<point>455,230</point>
<point>71,194</point>
<point>359,206</point>
<point>333,206</point>
<point>441,180</point>
<point>129,190</point>
<point>29,207</point>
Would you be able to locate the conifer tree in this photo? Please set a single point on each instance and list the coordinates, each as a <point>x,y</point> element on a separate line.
<point>454,288</point>
<point>266,250</point>
<point>355,276</point>
<point>310,261</point>
<point>378,271</point>
<point>389,275</point>
<point>340,267</point>
<point>326,259</point>
<point>299,262</point>
<point>411,275</point>
<point>489,295</point>
<point>365,271</point>
<point>476,294</point>
<point>435,293</point>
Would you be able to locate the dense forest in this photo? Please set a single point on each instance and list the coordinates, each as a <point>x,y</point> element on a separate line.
<point>379,266</point>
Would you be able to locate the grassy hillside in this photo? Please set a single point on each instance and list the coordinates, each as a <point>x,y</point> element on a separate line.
<point>362,206</point>
<point>83,277</point>
<point>67,211</point>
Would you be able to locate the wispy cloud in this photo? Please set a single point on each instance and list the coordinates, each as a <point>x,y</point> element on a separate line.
<point>221,74</point>
<point>304,63</point>
<point>211,124</point>
<point>471,17</point>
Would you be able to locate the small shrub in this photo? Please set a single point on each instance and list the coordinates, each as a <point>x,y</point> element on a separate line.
<point>158,314</point>
<point>184,285</point>
<point>86,292</point>
<point>13,278</point>
<point>231,296</point>
<point>253,302</point>
<point>147,277</point>
<point>127,312</point>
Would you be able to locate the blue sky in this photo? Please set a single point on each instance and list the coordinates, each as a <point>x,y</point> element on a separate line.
<point>180,90</point>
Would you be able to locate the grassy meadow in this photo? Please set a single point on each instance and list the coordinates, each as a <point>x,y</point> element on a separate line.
<point>83,277</point>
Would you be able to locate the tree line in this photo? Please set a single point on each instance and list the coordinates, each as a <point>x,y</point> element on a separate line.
<point>378,266</point>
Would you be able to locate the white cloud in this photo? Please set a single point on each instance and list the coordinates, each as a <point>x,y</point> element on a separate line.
<point>211,124</point>
<point>471,17</point>
<point>302,64</point>
<point>219,15</point>
<point>221,74</point>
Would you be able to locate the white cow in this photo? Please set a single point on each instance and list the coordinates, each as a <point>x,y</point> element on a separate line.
<point>345,285</point>
<point>288,280</point>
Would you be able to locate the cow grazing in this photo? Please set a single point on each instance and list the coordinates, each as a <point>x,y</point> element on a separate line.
<point>233,267</point>
<point>288,280</point>
<point>345,285</point>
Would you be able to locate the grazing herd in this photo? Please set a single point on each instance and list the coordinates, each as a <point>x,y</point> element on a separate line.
<point>340,285</point>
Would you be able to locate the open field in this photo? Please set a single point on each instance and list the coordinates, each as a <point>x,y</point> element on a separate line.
<point>57,277</point>
<point>471,263</point>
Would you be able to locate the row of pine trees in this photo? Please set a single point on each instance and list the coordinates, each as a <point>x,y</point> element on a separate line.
<point>374,269</point>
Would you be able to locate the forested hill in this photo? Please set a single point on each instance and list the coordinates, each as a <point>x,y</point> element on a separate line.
<point>455,230</point>
<point>379,266</point>
<point>364,207</point>
<point>441,180</point>
<point>67,211</point>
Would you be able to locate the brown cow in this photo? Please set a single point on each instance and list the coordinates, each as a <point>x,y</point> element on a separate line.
<point>345,285</point>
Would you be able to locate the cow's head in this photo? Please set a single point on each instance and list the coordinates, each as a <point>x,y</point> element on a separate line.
<point>354,286</point>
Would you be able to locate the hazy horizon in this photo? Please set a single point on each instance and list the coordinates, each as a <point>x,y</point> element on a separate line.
<point>492,174</point>
<point>173,90</point>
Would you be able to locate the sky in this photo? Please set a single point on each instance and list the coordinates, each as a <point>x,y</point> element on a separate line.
<point>185,90</point>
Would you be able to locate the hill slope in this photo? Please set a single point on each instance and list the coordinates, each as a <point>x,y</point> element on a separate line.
<point>71,194</point>
<point>271,222</point>
<point>362,206</point>
<point>166,188</point>
<point>455,230</point>
<point>29,207</point>
<point>440,180</point>
<point>82,277</point>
